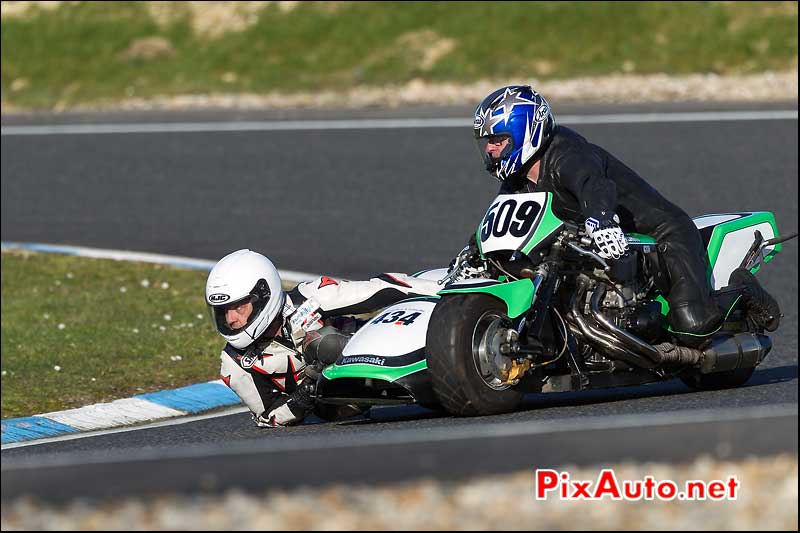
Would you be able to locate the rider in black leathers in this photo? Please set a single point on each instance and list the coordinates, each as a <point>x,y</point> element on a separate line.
<point>589,184</point>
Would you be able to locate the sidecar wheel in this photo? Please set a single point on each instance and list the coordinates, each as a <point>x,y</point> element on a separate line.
<point>458,335</point>
<point>332,413</point>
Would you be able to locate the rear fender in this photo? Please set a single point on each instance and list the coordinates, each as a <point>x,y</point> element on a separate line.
<point>728,237</point>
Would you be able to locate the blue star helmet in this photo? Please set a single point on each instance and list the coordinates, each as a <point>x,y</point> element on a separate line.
<point>520,114</point>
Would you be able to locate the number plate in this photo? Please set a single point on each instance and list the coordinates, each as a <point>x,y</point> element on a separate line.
<point>511,220</point>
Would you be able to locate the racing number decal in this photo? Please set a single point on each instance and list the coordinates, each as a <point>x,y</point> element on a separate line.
<point>508,217</point>
<point>397,318</point>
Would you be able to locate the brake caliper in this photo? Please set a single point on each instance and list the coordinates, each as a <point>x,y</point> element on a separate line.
<point>512,369</point>
<point>517,371</point>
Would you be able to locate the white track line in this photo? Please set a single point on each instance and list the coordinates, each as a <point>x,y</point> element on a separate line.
<point>372,124</point>
<point>124,255</point>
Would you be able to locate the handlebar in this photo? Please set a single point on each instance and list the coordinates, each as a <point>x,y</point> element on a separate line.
<point>779,239</point>
<point>591,254</point>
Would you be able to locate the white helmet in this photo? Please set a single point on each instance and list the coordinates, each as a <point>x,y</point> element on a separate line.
<point>239,276</point>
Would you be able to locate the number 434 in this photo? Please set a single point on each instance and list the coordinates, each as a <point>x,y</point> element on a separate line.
<point>399,318</point>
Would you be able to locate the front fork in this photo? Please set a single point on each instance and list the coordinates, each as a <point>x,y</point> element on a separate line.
<point>518,357</point>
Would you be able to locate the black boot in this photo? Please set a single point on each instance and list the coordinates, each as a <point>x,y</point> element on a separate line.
<point>693,322</point>
<point>763,311</point>
<point>693,314</point>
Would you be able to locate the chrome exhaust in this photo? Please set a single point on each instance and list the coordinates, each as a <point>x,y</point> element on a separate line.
<point>632,342</point>
<point>605,343</point>
<point>728,352</point>
<point>665,353</point>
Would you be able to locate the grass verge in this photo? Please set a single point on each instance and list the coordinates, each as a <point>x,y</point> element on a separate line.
<point>77,331</point>
<point>100,52</point>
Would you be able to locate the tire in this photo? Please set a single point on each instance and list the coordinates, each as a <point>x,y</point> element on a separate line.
<point>454,373</point>
<point>718,380</point>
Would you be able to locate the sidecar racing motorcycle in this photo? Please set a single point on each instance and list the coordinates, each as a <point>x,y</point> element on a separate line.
<point>547,314</point>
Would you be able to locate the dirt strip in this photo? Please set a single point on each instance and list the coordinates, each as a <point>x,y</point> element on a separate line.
<point>621,88</point>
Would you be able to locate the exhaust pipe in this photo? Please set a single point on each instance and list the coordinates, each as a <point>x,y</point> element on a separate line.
<point>602,341</point>
<point>632,342</point>
<point>729,352</point>
<point>743,350</point>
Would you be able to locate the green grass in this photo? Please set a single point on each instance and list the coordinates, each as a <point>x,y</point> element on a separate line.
<point>71,55</point>
<point>112,344</point>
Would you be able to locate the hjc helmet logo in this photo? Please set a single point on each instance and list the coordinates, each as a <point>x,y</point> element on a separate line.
<point>218,298</point>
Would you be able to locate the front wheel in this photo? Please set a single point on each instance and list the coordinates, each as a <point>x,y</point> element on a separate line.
<point>464,337</point>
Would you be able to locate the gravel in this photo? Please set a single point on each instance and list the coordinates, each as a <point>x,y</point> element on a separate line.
<point>618,88</point>
<point>767,501</point>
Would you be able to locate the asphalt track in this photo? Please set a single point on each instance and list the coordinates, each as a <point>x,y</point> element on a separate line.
<point>354,202</point>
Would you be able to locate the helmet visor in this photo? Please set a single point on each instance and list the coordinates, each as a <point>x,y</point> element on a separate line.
<point>492,149</point>
<point>220,315</point>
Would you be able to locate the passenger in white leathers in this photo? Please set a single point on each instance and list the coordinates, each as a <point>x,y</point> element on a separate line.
<point>278,341</point>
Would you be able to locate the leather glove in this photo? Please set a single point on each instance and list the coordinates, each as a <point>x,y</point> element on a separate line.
<point>264,421</point>
<point>608,237</point>
<point>291,409</point>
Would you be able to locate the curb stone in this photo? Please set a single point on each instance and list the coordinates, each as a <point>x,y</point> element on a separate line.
<point>149,407</point>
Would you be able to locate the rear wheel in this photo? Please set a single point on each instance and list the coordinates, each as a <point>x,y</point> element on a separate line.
<point>718,380</point>
<point>464,337</point>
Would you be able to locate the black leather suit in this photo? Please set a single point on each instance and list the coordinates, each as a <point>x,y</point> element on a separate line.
<point>587,181</point>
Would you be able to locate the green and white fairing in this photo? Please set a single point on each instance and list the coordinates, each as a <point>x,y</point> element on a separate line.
<point>386,354</point>
<point>518,222</point>
<point>526,223</point>
<point>728,237</point>
<point>513,223</point>
<point>390,348</point>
